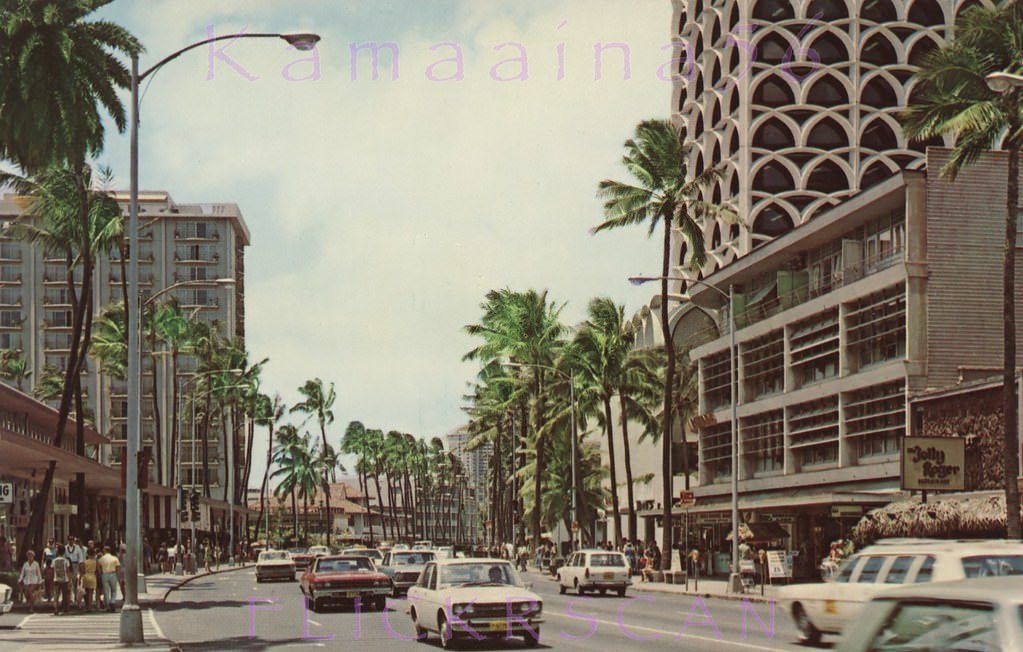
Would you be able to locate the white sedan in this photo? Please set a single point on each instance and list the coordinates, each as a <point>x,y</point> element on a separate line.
<point>474,599</point>
<point>6,603</point>
<point>275,564</point>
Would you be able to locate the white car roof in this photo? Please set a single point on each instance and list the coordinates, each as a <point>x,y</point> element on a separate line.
<point>452,561</point>
<point>917,546</point>
<point>1004,590</point>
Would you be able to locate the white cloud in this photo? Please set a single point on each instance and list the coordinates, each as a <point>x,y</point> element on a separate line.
<point>381,212</point>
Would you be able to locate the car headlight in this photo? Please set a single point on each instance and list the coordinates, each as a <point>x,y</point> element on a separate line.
<point>461,609</point>
<point>528,607</point>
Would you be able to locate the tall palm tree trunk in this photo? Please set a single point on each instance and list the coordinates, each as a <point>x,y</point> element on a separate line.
<point>669,383</point>
<point>294,513</point>
<point>1009,401</point>
<point>627,459</point>
<point>380,503</point>
<point>612,467</point>
<point>266,480</point>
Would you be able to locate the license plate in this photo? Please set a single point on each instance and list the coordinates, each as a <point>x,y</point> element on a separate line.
<point>609,576</point>
<point>497,626</point>
<point>830,607</point>
<point>351,594</point>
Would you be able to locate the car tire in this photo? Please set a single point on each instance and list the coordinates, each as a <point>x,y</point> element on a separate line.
<point>447,635</point>
<point>621,593</point>
<point>603,592</point>
<point>561,587</point>
<point>421,634</point>
<point>808,632</point>
<point>379,603</point>
<point>531,639</point>
<point>259,580</point>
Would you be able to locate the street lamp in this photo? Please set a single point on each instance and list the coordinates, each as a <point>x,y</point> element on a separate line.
<point>1001,82</point>
<point>131,614</point>
<point>575,477</point>
<point>734,578</point>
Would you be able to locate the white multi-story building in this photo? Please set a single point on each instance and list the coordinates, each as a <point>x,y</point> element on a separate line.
<point>200,244</point>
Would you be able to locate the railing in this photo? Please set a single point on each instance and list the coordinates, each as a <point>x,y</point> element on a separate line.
<point>762,310</point>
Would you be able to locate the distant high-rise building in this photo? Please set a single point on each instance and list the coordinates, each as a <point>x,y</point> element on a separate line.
<point>201,244</point>
<point>476,462</point>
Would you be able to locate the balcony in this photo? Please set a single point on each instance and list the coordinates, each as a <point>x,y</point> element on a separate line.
<point>193,234</point>
<point>793,289</point>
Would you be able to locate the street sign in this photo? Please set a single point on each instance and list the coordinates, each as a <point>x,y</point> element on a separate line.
<point>778,564</point>
<point>686,499</point>
<point>6,493</point>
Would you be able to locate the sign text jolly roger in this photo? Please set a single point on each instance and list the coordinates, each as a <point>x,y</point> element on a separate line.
<point>934,463</point>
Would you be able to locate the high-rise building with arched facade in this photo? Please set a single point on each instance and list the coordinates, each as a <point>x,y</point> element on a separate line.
<point>797,101</point>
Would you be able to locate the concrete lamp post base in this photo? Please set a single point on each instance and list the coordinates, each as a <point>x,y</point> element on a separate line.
<point>142,583</point>
<point>735,583</point>
<point>131,624</point>
<point>179,569</point>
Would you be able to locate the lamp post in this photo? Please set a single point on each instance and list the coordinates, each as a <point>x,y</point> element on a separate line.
<point>1002,82</point>
<point>130,630</point>
<point>574,533</point>
<point>734,577</point>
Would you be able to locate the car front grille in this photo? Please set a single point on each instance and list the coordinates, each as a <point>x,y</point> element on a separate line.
<point>406,576</point>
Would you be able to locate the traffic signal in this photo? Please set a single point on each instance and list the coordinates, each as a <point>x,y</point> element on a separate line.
<point>194,503</point>
<point>183,512</point>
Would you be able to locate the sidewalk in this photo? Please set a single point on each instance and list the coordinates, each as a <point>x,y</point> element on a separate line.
<point>708,588</point>
<point>99,630</point>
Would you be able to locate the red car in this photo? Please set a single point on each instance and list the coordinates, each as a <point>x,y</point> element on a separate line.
<point>301,556</point>
<point>342,579</point>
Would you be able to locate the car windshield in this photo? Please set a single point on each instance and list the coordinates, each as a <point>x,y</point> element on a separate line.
<point>273,555</point>
<point>938,626</point>
<point>297,551</point>
<point>411,558</point>
<point>608,560</point>
<point>481,573</point>
<point>344,565</point>
<point>992,565</point>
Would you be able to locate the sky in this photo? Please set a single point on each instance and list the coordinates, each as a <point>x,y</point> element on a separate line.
<point>382,210</point>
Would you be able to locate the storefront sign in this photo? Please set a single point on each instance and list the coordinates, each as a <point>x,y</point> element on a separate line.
<point>702,421</point>
<point>778,564</point>
<point>686,499</point>
<point>65,509</point>
<point>933,463</point>
<point>6,493</point>
<point>838,511</point>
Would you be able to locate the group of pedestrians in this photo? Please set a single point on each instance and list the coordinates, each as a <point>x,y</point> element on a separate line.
<point>72,576</point>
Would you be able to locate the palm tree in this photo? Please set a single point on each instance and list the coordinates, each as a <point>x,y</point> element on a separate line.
<point>663,193</point>
<point>14,367</point>
<point>59,72</point>
<point>289,450</point>
<point>50,385</point>
<point>637,399</point>
<point>356,442</point>
<point>952,98</point>
<point>318,404</point>
<point>523,328</point>
<point>375,455</point>
<point>268,413</point>
<point>171,328</point>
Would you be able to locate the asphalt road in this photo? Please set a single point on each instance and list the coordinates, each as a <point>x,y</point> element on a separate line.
<point>230,611</point>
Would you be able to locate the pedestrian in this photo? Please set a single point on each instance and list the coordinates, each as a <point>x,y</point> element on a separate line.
<point>108,566</point>
<point>147,557</point>
<point>630,555</point>
<point>162,558</point>
<point>75,555</point>
<point>89,567</point>
<point>121,553</point>
<point>99,579</point>
<point>207,554</point>
<point>30,579</point>
<point>655,556</point>
<point>61,581</point>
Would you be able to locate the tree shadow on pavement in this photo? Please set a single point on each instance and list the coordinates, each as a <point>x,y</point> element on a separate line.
<point>205,604</point>
<point>240,643</point>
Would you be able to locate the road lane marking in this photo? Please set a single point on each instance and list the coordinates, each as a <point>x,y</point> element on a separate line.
<point>310,620</point>
<point>156,625</point>
<point>588,618</point>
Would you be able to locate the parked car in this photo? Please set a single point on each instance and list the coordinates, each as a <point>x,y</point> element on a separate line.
<point>826,608</point>
<point>445,552</point>
<point>595,570</point>
<point>275,564</point>
<point>343,578</point>
<point>375,555</point>
<point>423,545</point>
<point>457,598</point>
<point>978,615</point>
<point>404,568</point>
<point>6,599</point>
<point>398,547</point>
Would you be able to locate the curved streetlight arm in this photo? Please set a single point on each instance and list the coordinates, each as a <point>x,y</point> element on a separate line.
<point>220,282</point>
<point>300,41</point>
<point>640,280</point>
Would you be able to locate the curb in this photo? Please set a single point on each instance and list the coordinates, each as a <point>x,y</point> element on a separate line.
<point>195,577</point>
<point>718,596</point>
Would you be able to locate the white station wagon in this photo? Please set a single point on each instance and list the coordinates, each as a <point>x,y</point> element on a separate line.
<point>827,608</point>
<point>595,570</point>
<point>472,599</point>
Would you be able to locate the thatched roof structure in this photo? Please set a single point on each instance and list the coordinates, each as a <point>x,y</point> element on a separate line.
<point>963,516</point>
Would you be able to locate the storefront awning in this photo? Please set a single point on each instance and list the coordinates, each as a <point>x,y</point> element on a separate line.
<point>793,499</point>
<point>763,531</point>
